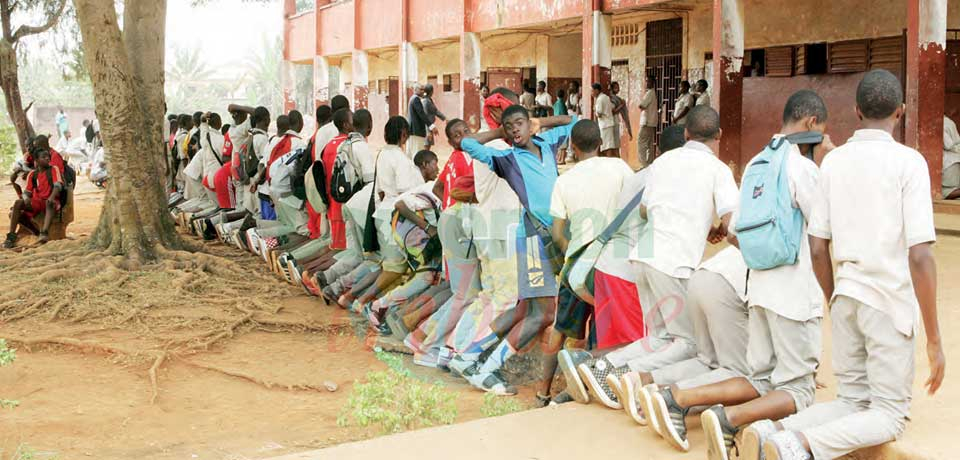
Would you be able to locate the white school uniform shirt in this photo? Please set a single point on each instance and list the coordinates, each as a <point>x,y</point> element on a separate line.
<point>396,174</point>
<point>527,100</point>
<point>272,142</point>
<point>792,291</point>
<point>588,204</point>
<point>951,144</point>
<point>684,101</point>
<point>615,258</point>
<point>280,184</point>
<point>604,108</point>
<point>686,189</point>
<point>703,99</point>
<point>421,198</point>
<point>873,232</point>
<point>358,203</point>
<point>497,213</point>
<point>365,160</point>
<point>544,99</point>
<point>651,113</point>
<point>211,147</point>
<point>729,264</point>
<point>239,134</point>
<point>324,135</point>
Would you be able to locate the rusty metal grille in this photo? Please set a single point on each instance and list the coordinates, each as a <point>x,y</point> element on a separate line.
<point>665,65</point>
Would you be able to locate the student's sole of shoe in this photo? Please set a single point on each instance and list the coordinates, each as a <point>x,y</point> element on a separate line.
<point>710,423</point>
<point>669,432</point>
<point>596,388</point>
<point>770,451</point>
<point>614,383</point>
<point>294,273</point>
<point>645,398</point>
<point>575,386</point>
<point>750,444</point>
<point>629,400</point>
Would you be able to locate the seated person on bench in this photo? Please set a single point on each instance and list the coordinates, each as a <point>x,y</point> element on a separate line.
<point>44,185</point>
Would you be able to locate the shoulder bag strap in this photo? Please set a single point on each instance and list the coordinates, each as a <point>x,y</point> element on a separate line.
<point>618,221</point>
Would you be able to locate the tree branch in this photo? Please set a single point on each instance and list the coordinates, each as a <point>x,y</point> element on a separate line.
<point>52,19</point>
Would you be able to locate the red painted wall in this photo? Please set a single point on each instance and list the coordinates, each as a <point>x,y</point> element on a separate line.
<point>763,100</point>
<point>380,111</point>
<point>432,19</point>
<point>301,42</point>
<point>380,28</point>
<point>335,29</point>
<point>484,14</point>
<point>449,104</point>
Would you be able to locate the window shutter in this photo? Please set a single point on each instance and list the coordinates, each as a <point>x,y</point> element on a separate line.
<point>779,61</point>
<point>849,56</point>
<point>887,53</point>
<point>800,61</point>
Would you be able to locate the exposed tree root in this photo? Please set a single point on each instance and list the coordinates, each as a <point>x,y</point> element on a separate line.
<point>251,378</point>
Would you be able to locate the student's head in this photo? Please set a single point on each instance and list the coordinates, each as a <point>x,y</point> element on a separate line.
<point>339,102</point>
<point>324,115</point>
<point>703,125</point>
<point>804,111</point>
<point>396,131</point>
<point>427,162</point>
<point>363,122</point>
<point>585,139</point>
<point>42,158</point>
<point>239,116</point>
<point>418,89</point>
<point>456,130</point>
<point>879,97</point>
<point>651,82</point>
<point>283,124</point>
<point>214,120</point>
<point>185,121</point>
<point>615,88</point>
<point>596,89</point>
<point>541,86</point>
<point>225,129</point>
<point>684,87</point>
<point>261,118</point>
<point>484,91</point>
<point>516,125</point>
<point>171,117</point>
<point>561,94</point>
<point>497,111</point>
<point>671,138</point>
<point>701,86</point>
<point>174,123</point>
<point>343,120</point>
<point>296,120</point>
<point>573,87</point>
<point>428,90</point>
<point>41,142</point>
<point>196,118</point>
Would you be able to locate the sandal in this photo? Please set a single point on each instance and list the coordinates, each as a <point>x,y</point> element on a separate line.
<point>542,400</point>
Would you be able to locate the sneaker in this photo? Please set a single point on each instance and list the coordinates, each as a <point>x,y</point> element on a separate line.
<point>568,361</point>
<point>253,241</point>
<point>629,390</point>
<point>264,250</point>
<point>395,321</point>
<point>10,241</point>
<point>719,432</point>
<point>294,270</point>
<point>426,360</point>
<point>561,398</point>
<point>645,400</point>
<point>371,314</point>
<point>785,445</point>
<point>594,373</point>
<point>751,443</point>
<point>671,418</point>
<point>492,383</point>
<point>461,367</point>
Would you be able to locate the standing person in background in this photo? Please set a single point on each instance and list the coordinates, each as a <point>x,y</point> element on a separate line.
<point>543,103</point>
<point>620,112</point>
<point>432,112</point>
<point>703,97</point>
<point>603,112</point>
<point>528,100</point>
<point>61,120</point>
<point>684,103</point>
<point>560,105</point>
<point>417,119</point>
<point>573,98</point>
<point>649,116</point>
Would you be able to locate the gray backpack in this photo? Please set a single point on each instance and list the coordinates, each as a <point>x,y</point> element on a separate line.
<point>346,178</point>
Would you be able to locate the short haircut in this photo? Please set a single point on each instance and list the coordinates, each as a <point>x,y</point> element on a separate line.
<point>561,93</point>
<point>541,82</point>
<point>224,129</point>
<point>296,119</point>
<point>575,83</point>
<point>452,124</point>
<point>685,84</point>
<point>395,128</point>
<point>513,110</point>
<point>41,142</point>
<point>339,102</point>
<point>283,124</point>
<point>184,119</point>
<point>802,104</point>
<point>585,136</point>
<point>340,119</point>
<point>505,92</point>
<point>703,83</point>
<point>324,113</point>
<point>703,123</point>
<point>362,120</point>
<point>260,114</point>
<point>423,157</point>
<point>671,138</point>
<point>170,117</point>
<point>214,119</point>
<point>428,88</point>
<point>196,117</point>
<point>597,86</point>
<point>651,78</point>
<point>879,94</point>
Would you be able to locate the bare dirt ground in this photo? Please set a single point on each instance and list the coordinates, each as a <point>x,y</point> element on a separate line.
<point>153,365</point>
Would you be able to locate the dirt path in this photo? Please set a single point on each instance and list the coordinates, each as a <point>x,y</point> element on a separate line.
<point>81,402</point>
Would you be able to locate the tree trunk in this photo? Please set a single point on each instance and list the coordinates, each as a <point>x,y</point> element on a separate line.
<point>134,220</point>
<point>11,90</point>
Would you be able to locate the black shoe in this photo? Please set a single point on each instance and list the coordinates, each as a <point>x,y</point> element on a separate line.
<point>10,241</point>
<point>321,280</point>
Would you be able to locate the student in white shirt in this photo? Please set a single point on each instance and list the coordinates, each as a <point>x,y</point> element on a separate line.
<point>603,108</point>
<point>543,101</point>
<point>649,117</point>
<point>951,160</point>
<point>683,105</point>
<point>703,97</point>
<point>687,188</point>
<point>786,305</point>
<point>289,208</point>
<point>885,273</point>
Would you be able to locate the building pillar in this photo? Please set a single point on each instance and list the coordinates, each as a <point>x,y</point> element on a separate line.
<point>470,79</point>
<point>926,65</point>
<point>728,78</point>
<point>409,57</point>
<point>597,53</point>
<point>321,81</point>
<point>288,84</point>
<point>361,79</point>
<point>543,57</point>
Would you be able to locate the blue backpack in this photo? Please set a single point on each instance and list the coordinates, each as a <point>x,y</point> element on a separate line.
<point>769,228</point>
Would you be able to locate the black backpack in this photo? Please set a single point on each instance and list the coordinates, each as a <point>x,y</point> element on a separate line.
<point>302,164</point>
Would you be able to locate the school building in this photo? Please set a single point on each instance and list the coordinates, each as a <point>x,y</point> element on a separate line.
<point>754,53</point>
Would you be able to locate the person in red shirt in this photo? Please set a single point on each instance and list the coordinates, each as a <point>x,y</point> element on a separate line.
<point>42,143</point>
<point>343,120</point>
<point>458,165</point>
<point>42,195</point>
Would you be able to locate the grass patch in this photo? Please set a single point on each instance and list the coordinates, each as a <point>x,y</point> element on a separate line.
<point>495,406</point>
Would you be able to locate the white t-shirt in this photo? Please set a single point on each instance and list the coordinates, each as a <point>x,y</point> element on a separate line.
<point>604,109</point>
<point>396,174</point>
<point>615,258</point>
<point>357,204</point>
<point>687,188</point>
<point>791,291</point>
<point>873,232</point>
<point>729,264</point>
<point>573,103</point>
<point>527,100</point>
<point>704,99</point>
<point>264,156</point>
<point>544,99</point>
<point>421,198</point>
<point>239,134</point>
<point>324,135</point>
<point>211,147</point>
<point>650,114</point>
<point>280,184</point>
<point>497,213</point>
<point>684,101</point>
<point>586,203</point>
<point>365,159</point>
